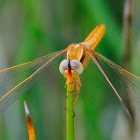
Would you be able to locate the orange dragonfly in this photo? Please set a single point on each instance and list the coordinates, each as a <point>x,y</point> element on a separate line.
<point>80,55</point>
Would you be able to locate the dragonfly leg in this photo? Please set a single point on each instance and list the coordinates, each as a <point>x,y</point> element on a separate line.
<point>65,85</point>
<point>76,98</point>
<point>78,85</point>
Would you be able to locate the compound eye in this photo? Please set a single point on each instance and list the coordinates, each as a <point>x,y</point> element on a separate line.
<point>77,66</point>
<point>63,66</point>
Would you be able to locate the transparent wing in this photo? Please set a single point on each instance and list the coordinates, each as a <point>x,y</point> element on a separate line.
<point>16,80</point>
<point>127,84</point>
<point>124,84</point>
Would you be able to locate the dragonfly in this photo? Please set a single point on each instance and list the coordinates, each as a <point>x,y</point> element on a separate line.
<point>120,80</point>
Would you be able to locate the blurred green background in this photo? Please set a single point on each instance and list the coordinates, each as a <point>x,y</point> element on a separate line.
<point>30,29</point>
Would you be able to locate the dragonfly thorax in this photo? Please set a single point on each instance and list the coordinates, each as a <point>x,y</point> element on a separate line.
<point>77,51</point>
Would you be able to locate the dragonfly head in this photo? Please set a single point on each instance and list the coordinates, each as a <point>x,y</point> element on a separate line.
<point>76,65</point>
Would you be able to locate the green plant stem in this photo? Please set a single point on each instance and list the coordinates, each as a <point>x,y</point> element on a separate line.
<point>70,111</point>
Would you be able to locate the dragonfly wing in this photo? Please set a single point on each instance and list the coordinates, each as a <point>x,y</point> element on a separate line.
<point>15,81</point>
<point>127,84</point>
<point>121,81</point>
